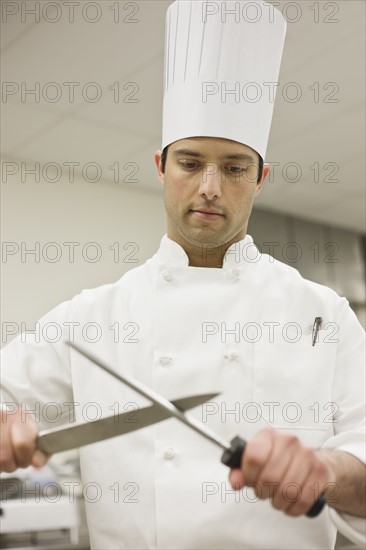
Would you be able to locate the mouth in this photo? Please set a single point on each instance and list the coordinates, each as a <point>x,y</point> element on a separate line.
<point>208,215</point>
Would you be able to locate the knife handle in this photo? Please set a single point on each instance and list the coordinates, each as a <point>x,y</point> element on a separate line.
<point>232,458</point>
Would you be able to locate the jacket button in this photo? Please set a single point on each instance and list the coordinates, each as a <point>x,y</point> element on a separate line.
<point>231,356</point>
<point>235,274</point>
<point>167,276</point>
<point>169,454</point>
<point>165,361</point>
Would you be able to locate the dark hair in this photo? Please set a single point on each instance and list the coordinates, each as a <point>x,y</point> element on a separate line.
<point>164,155</point>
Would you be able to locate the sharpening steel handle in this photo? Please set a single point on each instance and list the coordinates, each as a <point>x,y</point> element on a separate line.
<point>232,458</point>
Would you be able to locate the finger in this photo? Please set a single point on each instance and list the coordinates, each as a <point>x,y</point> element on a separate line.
<point>236,479</point>
<point>311,487</point>
<point>283,453</point>
<point>257,453</point>
<point>39,459</point>
<point>290,489</point>
<point>23,440</point>
<point>7,458</point>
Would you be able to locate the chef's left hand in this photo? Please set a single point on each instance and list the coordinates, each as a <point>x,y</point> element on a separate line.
<point>279,467</point>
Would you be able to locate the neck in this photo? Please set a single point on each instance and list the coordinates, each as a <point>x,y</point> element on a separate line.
<point>206,256</point>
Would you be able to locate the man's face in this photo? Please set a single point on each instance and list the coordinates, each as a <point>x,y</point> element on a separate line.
<point>209,188</point>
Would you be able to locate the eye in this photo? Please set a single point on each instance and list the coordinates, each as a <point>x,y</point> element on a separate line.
<point>189,164</point>
<point>236,169</point>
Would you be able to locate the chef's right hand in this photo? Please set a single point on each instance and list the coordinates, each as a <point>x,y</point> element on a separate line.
<point>18,441</point>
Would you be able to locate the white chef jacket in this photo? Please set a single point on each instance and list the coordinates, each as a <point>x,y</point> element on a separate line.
<point>243,330</point>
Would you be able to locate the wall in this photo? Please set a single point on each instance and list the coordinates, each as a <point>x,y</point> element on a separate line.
<point>327,255</point>
<point>126,226</point>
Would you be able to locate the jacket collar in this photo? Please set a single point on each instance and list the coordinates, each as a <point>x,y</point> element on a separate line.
<point>239,253</point>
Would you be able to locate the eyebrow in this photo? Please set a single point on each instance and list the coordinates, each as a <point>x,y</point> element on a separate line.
<point>188,152</point>
<point>233,156</point>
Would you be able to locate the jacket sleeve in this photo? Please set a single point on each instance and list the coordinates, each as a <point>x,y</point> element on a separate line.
<point>349,396</point>
<point>35,370</point>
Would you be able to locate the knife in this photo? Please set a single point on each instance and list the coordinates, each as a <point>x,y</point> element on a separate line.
<point>233,451</point>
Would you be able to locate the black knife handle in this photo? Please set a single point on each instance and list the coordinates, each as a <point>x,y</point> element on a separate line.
<point>232,458</point>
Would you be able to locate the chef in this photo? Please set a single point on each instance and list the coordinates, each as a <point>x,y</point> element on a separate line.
<point>208,312</point>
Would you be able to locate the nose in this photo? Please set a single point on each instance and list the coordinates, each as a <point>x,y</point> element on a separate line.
<point>210,185</point>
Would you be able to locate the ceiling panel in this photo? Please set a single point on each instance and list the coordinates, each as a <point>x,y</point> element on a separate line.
<point>86,142</point>
<point>134,105</point>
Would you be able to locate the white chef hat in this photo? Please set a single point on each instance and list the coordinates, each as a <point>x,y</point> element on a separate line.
<point>222,61</point>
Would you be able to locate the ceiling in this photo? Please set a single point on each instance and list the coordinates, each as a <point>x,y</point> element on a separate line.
<point>109,113</point>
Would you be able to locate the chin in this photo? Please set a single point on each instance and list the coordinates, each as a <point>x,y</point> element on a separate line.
<point>204,237</point>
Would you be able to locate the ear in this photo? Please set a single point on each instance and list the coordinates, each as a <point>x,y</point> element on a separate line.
<point>264,176</point>
<point>158,166</point>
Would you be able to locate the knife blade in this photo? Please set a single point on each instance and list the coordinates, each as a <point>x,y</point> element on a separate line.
<point>233,451</point>
<point>78,434</point>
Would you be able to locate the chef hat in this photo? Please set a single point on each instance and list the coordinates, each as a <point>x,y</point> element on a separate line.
<point>222,61</point>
